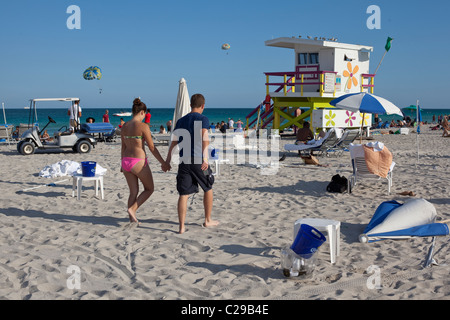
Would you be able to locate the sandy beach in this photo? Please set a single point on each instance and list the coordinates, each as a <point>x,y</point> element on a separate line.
<point>45,232</point>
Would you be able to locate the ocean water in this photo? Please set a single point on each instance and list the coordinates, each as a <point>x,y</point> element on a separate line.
<point>160,116</point>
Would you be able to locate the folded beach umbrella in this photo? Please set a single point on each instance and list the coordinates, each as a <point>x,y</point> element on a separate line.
<point>393,220</point>
<point>183,105</point>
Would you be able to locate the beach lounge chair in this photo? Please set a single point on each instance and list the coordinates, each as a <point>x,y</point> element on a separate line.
<point>24,127</point>
<point>311,145</point>
<point>360,170</point>
<point>161,138</point>
<point>337,149</point>
<point>348,137</point>
<point>6,133</point>
<point>329,144</point>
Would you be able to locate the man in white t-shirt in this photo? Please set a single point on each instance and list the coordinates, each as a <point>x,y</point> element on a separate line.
<point>230,123</point>
<point>74,113</point>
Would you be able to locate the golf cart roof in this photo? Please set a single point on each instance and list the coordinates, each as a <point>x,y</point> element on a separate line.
<point>56,99</point>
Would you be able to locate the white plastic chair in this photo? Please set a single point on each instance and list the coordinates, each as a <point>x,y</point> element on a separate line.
<point>360,170</point>
<point>331,227</point>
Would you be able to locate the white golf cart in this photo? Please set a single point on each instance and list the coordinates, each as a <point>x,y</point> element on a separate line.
<point>62,139</point>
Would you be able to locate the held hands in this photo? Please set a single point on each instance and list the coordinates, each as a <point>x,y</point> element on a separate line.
<point>165,166</point>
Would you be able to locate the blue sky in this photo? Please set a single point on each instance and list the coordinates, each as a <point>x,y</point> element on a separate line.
<point>144,47</point>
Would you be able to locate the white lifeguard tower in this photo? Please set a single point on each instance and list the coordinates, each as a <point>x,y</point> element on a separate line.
<point>324,69</point>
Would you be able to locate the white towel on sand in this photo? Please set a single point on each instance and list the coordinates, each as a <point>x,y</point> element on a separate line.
<point>66,168</point>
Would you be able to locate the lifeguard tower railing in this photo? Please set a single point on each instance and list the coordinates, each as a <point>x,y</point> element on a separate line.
<point>325,80</point>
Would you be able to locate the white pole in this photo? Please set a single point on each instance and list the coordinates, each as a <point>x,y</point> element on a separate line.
<point>6,124</point>
<point>417,138</point>
<point>380,63</point>
<point>4,115</point>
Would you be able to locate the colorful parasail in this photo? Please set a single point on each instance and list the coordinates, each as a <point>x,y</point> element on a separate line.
<point>92,73</point>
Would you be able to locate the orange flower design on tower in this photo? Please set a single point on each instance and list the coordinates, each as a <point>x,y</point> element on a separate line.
<point>351,75</point>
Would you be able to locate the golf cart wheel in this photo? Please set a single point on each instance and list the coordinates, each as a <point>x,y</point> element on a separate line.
<point>27,148</point>
<point>84,147</point>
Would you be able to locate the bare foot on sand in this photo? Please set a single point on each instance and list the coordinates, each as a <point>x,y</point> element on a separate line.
<point>210,224</point>
<point>407,193</point>
<point>132,216</point>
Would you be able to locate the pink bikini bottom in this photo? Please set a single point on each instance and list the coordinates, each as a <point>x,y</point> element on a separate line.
<point>129,163</point>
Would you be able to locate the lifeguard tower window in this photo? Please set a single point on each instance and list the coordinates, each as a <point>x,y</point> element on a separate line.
<point>308,58</point>
<point>314,58</point>
<point>302,58</point>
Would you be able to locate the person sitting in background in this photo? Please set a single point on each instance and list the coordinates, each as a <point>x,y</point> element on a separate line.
<point>15,134</point>
<point>400,123</point>
<point>90,120</point>
<point>304,134</point>
<point>46,137</point>
<point>122,122</point>
<point>392,125</point>
<point>162,129</point>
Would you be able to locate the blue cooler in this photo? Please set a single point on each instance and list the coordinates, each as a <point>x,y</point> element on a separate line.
<point>308,240</point>
<point>88,168</point>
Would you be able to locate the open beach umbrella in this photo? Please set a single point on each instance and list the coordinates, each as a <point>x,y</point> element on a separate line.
<point>183,105</point>
<point>364,102</point>
<point>416,109</point>
<point>393,220</point>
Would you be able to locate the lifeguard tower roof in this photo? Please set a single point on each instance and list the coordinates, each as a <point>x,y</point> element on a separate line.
<point>293,43</point>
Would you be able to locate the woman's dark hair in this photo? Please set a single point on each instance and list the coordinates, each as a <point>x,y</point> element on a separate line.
<point>138,106</point>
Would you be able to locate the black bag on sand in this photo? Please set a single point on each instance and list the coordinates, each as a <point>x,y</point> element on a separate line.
<point>338,184</point>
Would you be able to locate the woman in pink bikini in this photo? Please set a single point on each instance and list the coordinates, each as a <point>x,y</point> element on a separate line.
<point>134,166</point>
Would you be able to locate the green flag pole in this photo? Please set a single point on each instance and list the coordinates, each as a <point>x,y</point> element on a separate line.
<point>387,47</point>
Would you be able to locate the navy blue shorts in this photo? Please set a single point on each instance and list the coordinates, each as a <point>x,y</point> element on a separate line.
<point>190,176</point>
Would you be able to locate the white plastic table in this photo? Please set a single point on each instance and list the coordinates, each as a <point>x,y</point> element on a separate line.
<point>333,229</point>
<point>78,184</point>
